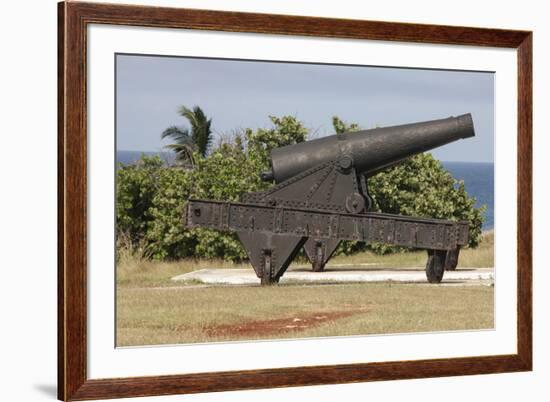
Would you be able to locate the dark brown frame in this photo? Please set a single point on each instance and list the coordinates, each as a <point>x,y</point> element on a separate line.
<point>73,19</point>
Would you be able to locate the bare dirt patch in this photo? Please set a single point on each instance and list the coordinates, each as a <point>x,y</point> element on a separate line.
<point>297,322</point>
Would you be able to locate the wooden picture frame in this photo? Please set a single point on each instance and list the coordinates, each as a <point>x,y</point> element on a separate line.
<point>73,19</point>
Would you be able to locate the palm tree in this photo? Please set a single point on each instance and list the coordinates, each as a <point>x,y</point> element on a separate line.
<point>186,141</point>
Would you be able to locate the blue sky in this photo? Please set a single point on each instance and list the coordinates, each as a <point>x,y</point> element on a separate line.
<point>240,94</point>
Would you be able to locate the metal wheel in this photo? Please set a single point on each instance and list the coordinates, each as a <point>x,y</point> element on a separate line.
<point>451,259</point>
<point>435,267</point>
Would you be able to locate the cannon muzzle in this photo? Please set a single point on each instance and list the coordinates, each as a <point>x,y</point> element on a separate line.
<point>370,150</point>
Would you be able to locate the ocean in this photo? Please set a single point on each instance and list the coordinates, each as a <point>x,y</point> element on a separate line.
<point>479,183</point>
<point>478,179</point>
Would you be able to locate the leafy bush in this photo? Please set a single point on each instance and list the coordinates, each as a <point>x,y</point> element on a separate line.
<point>150,204</point>
<point>151,196</point>
<point>136,186</point>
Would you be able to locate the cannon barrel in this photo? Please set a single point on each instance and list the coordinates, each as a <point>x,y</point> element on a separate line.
<point>370,150</point>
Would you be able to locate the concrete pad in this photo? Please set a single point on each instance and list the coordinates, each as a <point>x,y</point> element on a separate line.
<point>341,275</point>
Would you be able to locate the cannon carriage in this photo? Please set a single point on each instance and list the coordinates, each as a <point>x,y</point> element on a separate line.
<point>320,197</point>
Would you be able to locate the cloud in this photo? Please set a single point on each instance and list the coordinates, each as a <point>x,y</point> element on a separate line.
<point>243,93</point>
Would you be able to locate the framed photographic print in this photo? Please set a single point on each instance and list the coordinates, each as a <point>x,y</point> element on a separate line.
<point>253,201</point>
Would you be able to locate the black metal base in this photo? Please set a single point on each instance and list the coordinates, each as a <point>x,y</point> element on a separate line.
<point>317,266</point>
<point>319,251</point>
<point>270,254</point>
<point>273,235</point>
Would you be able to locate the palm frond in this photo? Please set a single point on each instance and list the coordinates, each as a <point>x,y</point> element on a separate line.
<point>184,153</point>
<point>201,132</point>
<point>203,137</point>
<point>170,131</point>
<point>197,138</point>
<point>189,115</point>
<point>180,136</point>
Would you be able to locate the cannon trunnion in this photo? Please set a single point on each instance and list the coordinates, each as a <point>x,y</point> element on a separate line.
<point>320,197</point>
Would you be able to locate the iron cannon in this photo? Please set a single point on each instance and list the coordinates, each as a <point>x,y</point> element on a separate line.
<point>320,197</point>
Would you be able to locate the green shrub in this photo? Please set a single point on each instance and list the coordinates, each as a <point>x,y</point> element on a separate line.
<point>151,196</point>
<point>136,186</point>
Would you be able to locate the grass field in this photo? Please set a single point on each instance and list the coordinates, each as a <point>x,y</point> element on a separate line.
<point>152,309</point>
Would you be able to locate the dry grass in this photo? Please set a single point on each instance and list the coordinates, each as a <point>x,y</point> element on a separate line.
<point>207,314</point>
<point>135,269</point>
<point>147,273</point>
<point>482,256</point>
<point>152,309</point>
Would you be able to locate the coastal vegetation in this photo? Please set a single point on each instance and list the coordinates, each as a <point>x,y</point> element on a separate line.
<point>151,195</point>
